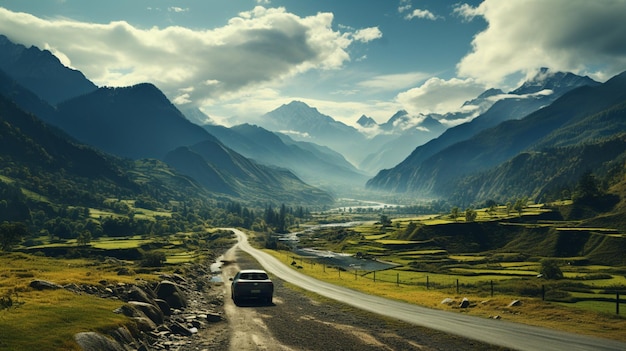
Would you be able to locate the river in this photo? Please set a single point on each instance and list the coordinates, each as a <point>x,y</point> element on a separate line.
<point>330,258</point>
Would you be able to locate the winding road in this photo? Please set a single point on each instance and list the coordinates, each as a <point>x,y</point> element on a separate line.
<point>495,332</point>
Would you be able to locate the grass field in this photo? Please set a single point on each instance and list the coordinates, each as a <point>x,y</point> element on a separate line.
<point>591,318</point>
<point>30,319</point>
<point>445,262</point>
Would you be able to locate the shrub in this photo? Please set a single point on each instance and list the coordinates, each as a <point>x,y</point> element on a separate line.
<point>153,259</point>
<point>550,269</point>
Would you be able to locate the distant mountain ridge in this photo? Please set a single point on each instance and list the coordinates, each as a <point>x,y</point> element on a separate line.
<point>139,122</point>
<point>519,103</point>
<point>553,113</point>
<point>399,137</point>
<point>304,123</point>
<point>315,165</point>
<point>571,120</point>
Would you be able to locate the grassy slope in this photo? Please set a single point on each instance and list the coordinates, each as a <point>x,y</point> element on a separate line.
<point>52,317</point>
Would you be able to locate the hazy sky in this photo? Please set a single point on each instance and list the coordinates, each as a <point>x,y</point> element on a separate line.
<point>237,59</point>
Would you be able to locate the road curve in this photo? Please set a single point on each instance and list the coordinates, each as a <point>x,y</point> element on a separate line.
<point>496,332</point>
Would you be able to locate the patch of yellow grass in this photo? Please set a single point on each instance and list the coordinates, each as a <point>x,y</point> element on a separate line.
<point>376,236</point>
<point>51,318</point>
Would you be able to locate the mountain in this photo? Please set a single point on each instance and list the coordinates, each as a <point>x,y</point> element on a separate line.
<point>534,94</point>
<point>239,176</point>
<point>134,122</point>
<point>140,122</point>
<point>24,98</point>
<point>50,171</point>
<point>304,123</point>
<point>196,116</point>
<point>366,122</point>
<point>42,73</point>
<point>314,164</point>
<point>398,137</point>
<point>588,115</point>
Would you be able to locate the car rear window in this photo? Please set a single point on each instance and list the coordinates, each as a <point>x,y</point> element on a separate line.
<point>254,276</point>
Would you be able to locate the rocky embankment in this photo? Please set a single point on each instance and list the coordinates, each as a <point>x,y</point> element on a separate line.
<point>184,310</point>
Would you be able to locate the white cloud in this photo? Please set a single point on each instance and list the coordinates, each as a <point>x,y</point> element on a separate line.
<point>394,82</point>
<point>422,14</point>
<point>177,9</point>
<point>367,34</point>
<point>580,36</point>
<point>440,96</point>
<point>406,6</point>
<point>261,47</point>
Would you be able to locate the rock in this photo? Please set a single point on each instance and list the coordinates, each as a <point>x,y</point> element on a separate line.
<point>73,288</point>
<point>137,294</point>
<point>178,328</point>
<point>171,293</point>
<point>164,306</point>
<point>44,285</point>
<point>515,303</point>
<point>149,310</point>
<point>123,336</point>
<point>197,324</point>
<point>144,324</point>
<point>213,317</point>
<point>90,341</point>
<point>465,303</point>
<point>447,301</point>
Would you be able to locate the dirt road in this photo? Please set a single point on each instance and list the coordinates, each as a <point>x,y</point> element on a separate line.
<point>302,321</point>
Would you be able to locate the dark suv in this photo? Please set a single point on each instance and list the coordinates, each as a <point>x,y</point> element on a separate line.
<point>252,284</point>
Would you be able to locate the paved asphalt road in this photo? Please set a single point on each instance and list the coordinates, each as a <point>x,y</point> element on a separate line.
<point>495,332</point>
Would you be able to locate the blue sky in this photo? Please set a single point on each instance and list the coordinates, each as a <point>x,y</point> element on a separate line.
<point>237,59</point>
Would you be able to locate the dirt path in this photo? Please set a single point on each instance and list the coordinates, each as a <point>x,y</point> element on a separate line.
<point>248,330</point>
<point>299,321</point>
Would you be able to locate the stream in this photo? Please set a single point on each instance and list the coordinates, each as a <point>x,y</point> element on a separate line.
<point>330,258</point>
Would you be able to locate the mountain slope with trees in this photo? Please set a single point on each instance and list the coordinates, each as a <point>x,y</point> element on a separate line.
<point>445,173</point>
<point>135,122</point>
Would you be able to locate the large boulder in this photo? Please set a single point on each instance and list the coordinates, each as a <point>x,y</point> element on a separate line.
<point>91,341</point>
<point>123,336</point>
<point>44,285</point>
<point>164,306</point>
<point>172,294</point>
<point>465,303</point>
<point>144,324</point>
<point>136,293</point>
<point>140,311</point>
<point>151,311</point>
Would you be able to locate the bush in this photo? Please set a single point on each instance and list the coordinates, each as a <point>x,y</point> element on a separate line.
<point>550,269</point>
<point>153,259</point>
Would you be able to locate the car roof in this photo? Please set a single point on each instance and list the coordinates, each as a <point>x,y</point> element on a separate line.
<point>252,271</point>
